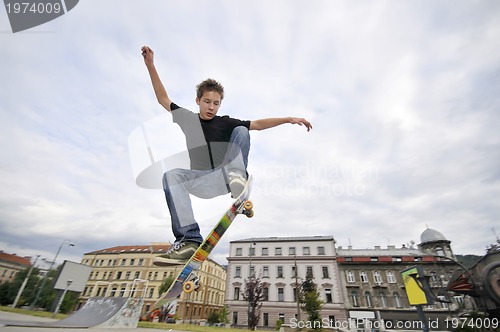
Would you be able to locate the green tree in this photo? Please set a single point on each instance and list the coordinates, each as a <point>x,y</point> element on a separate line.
<point>311,302</point>
<point>166,284</point>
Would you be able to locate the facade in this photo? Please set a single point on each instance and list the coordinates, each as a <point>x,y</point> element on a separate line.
<point>281,263</point>
<point>362,289</point>
<point>125,271</point>
<point>10,265</point>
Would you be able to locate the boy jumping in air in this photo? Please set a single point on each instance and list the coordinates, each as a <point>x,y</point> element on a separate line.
<point>218,148</point>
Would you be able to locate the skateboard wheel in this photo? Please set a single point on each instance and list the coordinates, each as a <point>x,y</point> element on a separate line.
<point>188,287</point>
<point>248,205</point>
<point>249,213</point>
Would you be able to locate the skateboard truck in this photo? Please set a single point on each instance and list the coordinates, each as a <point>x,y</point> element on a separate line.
<point>192,285</point>
<point>247,209</point>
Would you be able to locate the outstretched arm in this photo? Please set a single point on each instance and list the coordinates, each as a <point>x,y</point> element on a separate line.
<point>160,92</point>
<point>273,122</point>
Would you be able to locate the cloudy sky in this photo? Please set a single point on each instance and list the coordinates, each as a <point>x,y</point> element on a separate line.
<point>404,97</point>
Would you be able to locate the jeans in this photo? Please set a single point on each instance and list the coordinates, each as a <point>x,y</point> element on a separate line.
<point>178,184</point>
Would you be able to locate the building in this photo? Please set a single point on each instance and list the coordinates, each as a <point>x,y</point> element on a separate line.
<point>361,289</point>
<point>374,288</point>
<point>281,263</point>
<point>124,271</point>
<point>10,265</point>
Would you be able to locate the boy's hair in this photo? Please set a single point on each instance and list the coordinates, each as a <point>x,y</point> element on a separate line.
<point>209,85</point>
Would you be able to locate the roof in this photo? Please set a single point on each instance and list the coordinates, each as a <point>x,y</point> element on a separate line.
<point>431,235</point>
<point>285,239</point>
<point>154,248</point>
<point>14,259</point>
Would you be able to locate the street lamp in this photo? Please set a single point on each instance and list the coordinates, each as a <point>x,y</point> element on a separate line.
<point>68,283</point>
<point>70,244</point>
<point>25,282</point>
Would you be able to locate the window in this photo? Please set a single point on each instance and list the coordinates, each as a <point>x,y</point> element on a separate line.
<point>118,275</point>
<point>141,262</point>
<point>397,300</point>
<point>265,251</point>
<point>235,318</point>
<point>350,276</point>
<point>295,294</point>
<point>237,272</point>
<point>251,271</point>
<point>309,271</point>
<point>354,299</point>
<point>291,251</point>
<point>239,251</point>
<point>390,277</point>
<point>251,251</point>
<point>293,272</point>
<point>281,294</point>
<point>326,274</point>
<point>363,276</point>
<point>383,300</point>
<point>280,271</point>
<point>321,250</point>
<point>265,294</point>
<point>373,259</point>
<point>306,250</point>
<point>124,261</point>
<point>265,317</point>
<point>278,251</point>
<point>236,293</point>
<point>127,275</point>
<point>132,262</point>
<point>265,272</point>
<point>328,295</point>
<point>368,299</point>
<point>377,278</point>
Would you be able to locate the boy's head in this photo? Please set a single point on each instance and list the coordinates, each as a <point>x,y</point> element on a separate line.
<point>209,94</point>
<point>209,85</point>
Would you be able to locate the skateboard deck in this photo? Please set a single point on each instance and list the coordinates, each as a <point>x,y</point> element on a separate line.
<point>187,280</point>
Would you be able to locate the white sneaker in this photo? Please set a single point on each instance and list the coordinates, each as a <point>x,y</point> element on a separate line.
<point>236,183</point>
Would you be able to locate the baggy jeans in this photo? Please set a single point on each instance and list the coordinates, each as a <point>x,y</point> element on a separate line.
<point>179,183</point>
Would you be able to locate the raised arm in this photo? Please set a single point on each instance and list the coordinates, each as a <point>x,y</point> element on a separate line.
<point>273,122</point>
<point>160,92</point>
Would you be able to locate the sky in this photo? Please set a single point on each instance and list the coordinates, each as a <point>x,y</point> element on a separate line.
<point>403,96</point>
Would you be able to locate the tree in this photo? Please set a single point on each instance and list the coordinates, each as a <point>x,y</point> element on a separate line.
<point>311,302</point>
<point>254,295</point>
<point>166,284</point>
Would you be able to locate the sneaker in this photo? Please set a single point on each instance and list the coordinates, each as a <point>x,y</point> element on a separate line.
<point>179,254</point>
<point>236,183</point>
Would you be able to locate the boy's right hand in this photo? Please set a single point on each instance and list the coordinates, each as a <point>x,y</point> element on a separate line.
<point>148,55</point>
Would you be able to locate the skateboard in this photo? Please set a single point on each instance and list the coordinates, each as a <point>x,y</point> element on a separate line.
<point>187,280</point>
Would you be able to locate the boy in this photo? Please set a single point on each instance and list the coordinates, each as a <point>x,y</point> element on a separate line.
<point>218,149</point>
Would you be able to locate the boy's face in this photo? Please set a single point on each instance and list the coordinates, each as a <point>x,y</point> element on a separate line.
<point>209,104</point>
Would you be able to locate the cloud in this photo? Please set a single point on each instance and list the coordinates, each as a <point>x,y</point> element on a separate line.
<point>402,97</point>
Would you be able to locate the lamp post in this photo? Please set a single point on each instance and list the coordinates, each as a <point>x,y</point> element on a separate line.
<point>25,282</point>
<point>70,244</point>
<point>68,283</point>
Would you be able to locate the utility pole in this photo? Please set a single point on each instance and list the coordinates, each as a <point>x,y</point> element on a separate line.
<point>25,282</point>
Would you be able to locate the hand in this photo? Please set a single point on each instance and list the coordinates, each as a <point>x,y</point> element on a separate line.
<point>148,55</point>
<point>300,122</point>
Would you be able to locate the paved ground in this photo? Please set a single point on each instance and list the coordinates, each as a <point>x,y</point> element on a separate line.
<point>26,318</point>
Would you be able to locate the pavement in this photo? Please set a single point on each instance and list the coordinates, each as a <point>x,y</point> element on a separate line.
<point>9,316</point>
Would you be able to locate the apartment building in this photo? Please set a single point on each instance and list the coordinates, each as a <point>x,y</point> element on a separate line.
<point>373,287</point>
<point>281,263</point>
<point>11,265</point>
<point>125,271</point>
